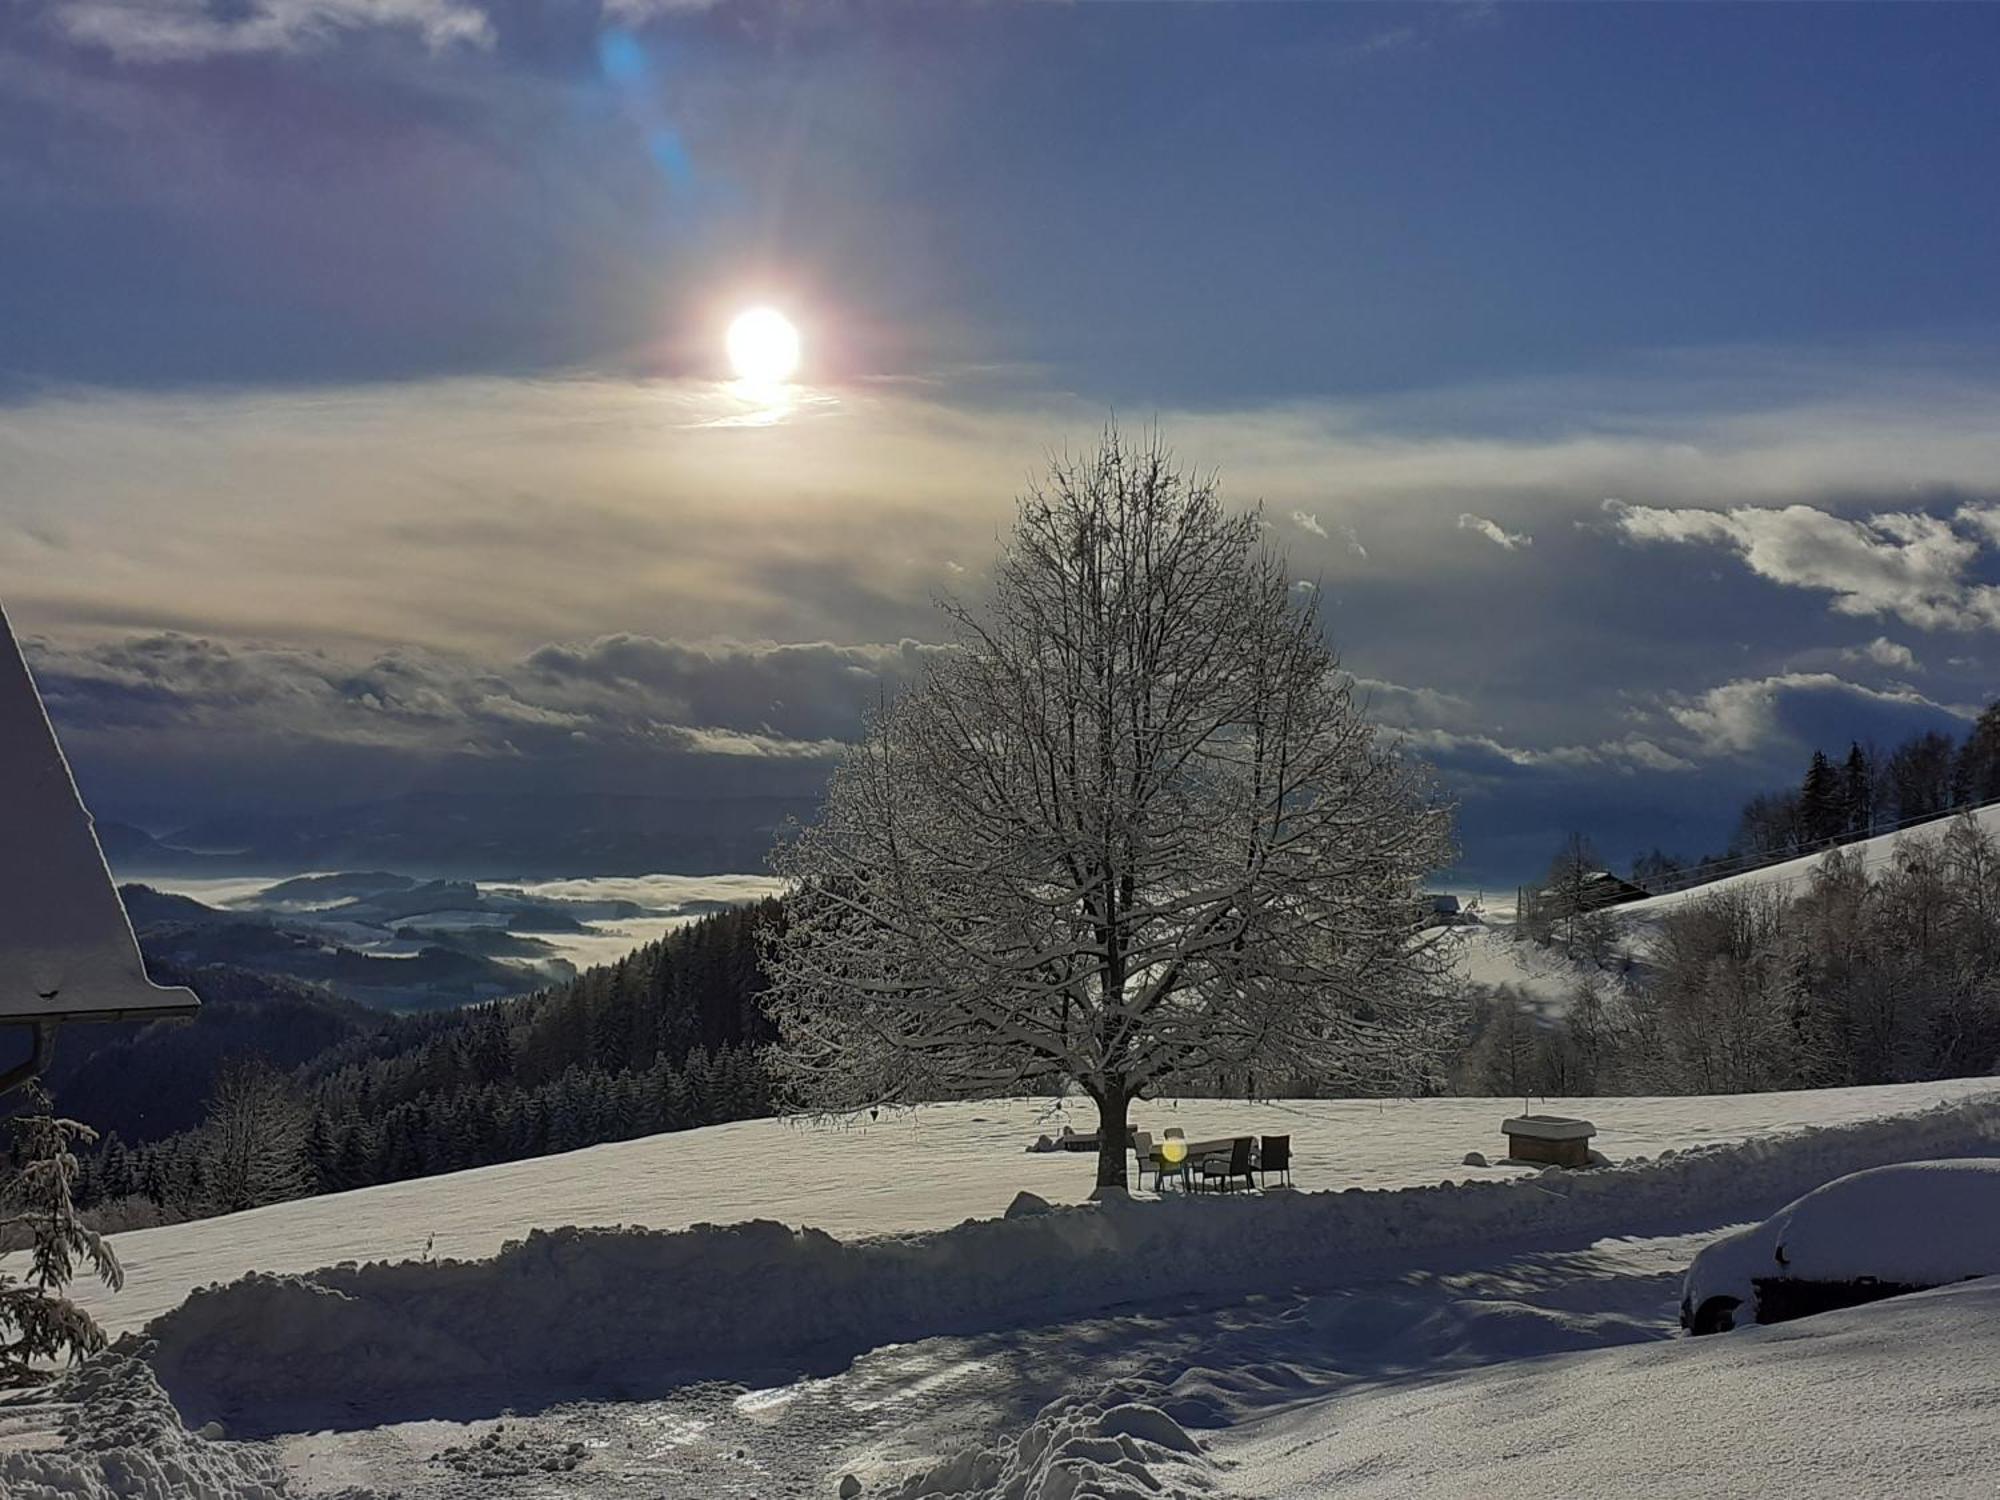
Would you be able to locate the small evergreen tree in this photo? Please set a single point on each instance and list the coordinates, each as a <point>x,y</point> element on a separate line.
<point>37,1322</point>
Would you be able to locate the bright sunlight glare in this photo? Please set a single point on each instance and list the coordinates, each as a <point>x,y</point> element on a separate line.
<point>763,346</point>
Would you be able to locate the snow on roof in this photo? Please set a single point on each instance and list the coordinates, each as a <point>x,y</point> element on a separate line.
<point>70,952</point>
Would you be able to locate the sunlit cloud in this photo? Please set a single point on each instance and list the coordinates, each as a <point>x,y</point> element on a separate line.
<point>1742,716</point>
<point>1908,564</point>
<point>1883,652</point>
<point>632,532</point>
<point>179,30</point>
<point>1510,541</point>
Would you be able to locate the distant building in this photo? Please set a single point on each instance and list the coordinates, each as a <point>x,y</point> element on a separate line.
<point>1442,909</point>
<point>1591,892</point>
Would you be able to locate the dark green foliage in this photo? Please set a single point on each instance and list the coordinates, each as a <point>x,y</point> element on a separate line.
<point>146,1080</point>
<point>667,1038</point>
<point>1822,807</point>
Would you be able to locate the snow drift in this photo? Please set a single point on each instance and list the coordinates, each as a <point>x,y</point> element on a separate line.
<point>1076,1450</point>
<point>123,1440</point>
<point>623,1310</point>
<point>1893,1399</point>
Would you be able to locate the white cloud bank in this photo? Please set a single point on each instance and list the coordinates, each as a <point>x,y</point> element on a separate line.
<point>1743,716</point>
<point>1912,565</point>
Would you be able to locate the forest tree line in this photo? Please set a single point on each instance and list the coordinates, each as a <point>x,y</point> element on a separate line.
<point>1866,791</point>
<point>667,1038</point>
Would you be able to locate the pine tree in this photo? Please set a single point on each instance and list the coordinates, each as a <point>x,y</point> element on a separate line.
<point>1976,776</point>
<point>1822,803</point>
<point>352,1167</point>
<point>37,1322</point>
<point>320,1152</point>
<point>1858,792</point>
<point>115,1178</point>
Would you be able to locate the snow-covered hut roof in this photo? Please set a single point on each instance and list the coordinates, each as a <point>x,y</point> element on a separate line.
<point>66,946</point>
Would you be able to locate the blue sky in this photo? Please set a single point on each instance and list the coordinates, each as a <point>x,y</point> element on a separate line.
<point>1622,376</point>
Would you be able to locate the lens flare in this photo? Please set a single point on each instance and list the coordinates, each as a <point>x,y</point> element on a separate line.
<point>763,347</point>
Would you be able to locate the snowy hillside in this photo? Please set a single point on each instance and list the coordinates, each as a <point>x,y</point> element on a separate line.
<point>1546,977</point>
<point>1488,955</point>
<point>1793,875</point>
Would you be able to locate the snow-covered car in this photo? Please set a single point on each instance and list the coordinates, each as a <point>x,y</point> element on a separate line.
<point>1860,1238</point>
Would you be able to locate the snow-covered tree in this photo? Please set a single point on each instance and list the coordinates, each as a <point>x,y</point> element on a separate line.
<point>37,1322</point>
<point>1134,826</point>
<point>253,1146</point>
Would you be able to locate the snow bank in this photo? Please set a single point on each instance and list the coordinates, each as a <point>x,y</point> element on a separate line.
<point>1890,1399</point>
<point>123,1440</point>
<point>1076,1450</point>
<point>597,1309</point>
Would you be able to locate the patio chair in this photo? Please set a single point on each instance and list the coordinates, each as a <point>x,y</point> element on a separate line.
<point>1224,1173</point>
<point>1276,1156</point>
<point>1142,1147</point>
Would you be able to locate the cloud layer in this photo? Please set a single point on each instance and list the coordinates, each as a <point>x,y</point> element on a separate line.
<point>590,577</point>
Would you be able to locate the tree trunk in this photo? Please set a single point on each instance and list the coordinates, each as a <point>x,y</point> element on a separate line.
<point>1112,1146</point>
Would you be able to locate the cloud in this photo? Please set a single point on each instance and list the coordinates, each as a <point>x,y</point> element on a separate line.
<point>1510,541</point>
<point>645,10</point>
<point>1394,704</point>
<point>1909,564</point>
<point>1627,755</point>
<point>1749,714</point>
<point>1884,652</point>
<point>1308,522</point>
<point>631,693</point>
<point>177,30</point>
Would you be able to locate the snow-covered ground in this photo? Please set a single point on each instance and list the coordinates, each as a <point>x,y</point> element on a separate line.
<point>1257,1344</point>
<point>1895,1399</point>
<point>928,1168</point>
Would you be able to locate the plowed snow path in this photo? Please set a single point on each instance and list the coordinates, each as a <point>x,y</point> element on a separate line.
<point>896,1409</point>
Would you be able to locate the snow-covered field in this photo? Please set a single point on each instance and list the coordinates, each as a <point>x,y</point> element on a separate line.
<point>1401,1338</point>
<point>928,1168</point>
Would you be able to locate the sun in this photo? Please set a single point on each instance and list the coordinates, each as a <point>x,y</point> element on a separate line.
<point>763,346</point>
